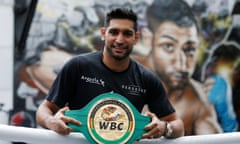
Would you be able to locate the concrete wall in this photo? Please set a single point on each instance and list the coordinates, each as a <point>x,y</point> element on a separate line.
<point>6,57</point>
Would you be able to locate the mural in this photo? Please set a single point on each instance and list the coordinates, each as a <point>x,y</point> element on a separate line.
<point>62,29</point>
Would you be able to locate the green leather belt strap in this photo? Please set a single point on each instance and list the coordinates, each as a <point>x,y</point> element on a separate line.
<point>109,118</point>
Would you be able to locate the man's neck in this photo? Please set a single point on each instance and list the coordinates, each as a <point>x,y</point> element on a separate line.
<point>114,64</point>
<point>175,94</point>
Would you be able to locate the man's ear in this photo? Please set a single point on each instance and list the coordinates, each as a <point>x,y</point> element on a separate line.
<point>103,32</point>
<point>137,36</point>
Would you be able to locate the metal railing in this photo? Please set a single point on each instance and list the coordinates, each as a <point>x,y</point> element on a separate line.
<point>44,136</point>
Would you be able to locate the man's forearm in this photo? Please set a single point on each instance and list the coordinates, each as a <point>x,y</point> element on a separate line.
<point>174,129</point>
<point>43,115</point>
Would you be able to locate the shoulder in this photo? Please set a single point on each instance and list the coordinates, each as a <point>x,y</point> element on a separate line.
<point>148,77</point>
<point>80,61</point>
<point>138,67</point>
<point>85,58</point>
<point>88,56</point>
<point>198,88</point>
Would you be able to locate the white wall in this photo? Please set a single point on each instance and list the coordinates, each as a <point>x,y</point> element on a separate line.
<point>6,56</point>
<point>6,59</point>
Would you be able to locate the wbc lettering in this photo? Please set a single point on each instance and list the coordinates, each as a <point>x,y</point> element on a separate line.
<point>110,125</point>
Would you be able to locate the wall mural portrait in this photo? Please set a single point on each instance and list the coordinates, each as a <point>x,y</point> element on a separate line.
<point>192,45</point>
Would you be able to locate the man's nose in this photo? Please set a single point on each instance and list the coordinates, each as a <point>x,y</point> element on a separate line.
<point>120,38</point>
<point>181,61</point>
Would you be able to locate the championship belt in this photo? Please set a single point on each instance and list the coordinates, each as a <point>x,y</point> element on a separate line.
<point>109,118</point>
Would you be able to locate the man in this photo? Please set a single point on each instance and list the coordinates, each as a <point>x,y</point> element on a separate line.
<point>87,76</point>
<point>173,58</point>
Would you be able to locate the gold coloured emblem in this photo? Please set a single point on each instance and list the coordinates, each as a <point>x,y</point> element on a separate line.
<point>111,120</point>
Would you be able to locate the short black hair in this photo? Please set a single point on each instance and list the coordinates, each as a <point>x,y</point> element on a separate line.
<point>176,11</point>
<point>121,13</point>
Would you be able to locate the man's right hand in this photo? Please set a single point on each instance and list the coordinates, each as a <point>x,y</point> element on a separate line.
<point>59,121</point>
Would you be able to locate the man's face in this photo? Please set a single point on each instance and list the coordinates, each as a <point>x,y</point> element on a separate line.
<point>120,38</point>
<point>174,54</point>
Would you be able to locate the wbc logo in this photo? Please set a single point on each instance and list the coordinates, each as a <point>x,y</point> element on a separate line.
<point>110,120</point>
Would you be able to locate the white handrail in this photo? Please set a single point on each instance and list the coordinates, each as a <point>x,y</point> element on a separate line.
<point>44,136</point>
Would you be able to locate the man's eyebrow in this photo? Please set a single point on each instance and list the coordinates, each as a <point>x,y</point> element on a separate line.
<point>127,29</point>
<point>191,41</point>
<point>169,37</point>
<point>113,29</point>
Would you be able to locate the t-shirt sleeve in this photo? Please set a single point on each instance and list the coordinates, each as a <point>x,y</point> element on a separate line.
<point>63,86</point>
<point>158,102</point>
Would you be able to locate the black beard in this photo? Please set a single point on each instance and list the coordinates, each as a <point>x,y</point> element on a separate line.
<point>179,87</point>
<point>171,87</point>
<point>119,57</point>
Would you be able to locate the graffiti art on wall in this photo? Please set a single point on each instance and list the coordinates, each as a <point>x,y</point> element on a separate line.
<point>192,45</point>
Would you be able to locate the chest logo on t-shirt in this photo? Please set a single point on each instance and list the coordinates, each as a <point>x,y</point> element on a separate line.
<point>134,89</point>
<point>93,80</point>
